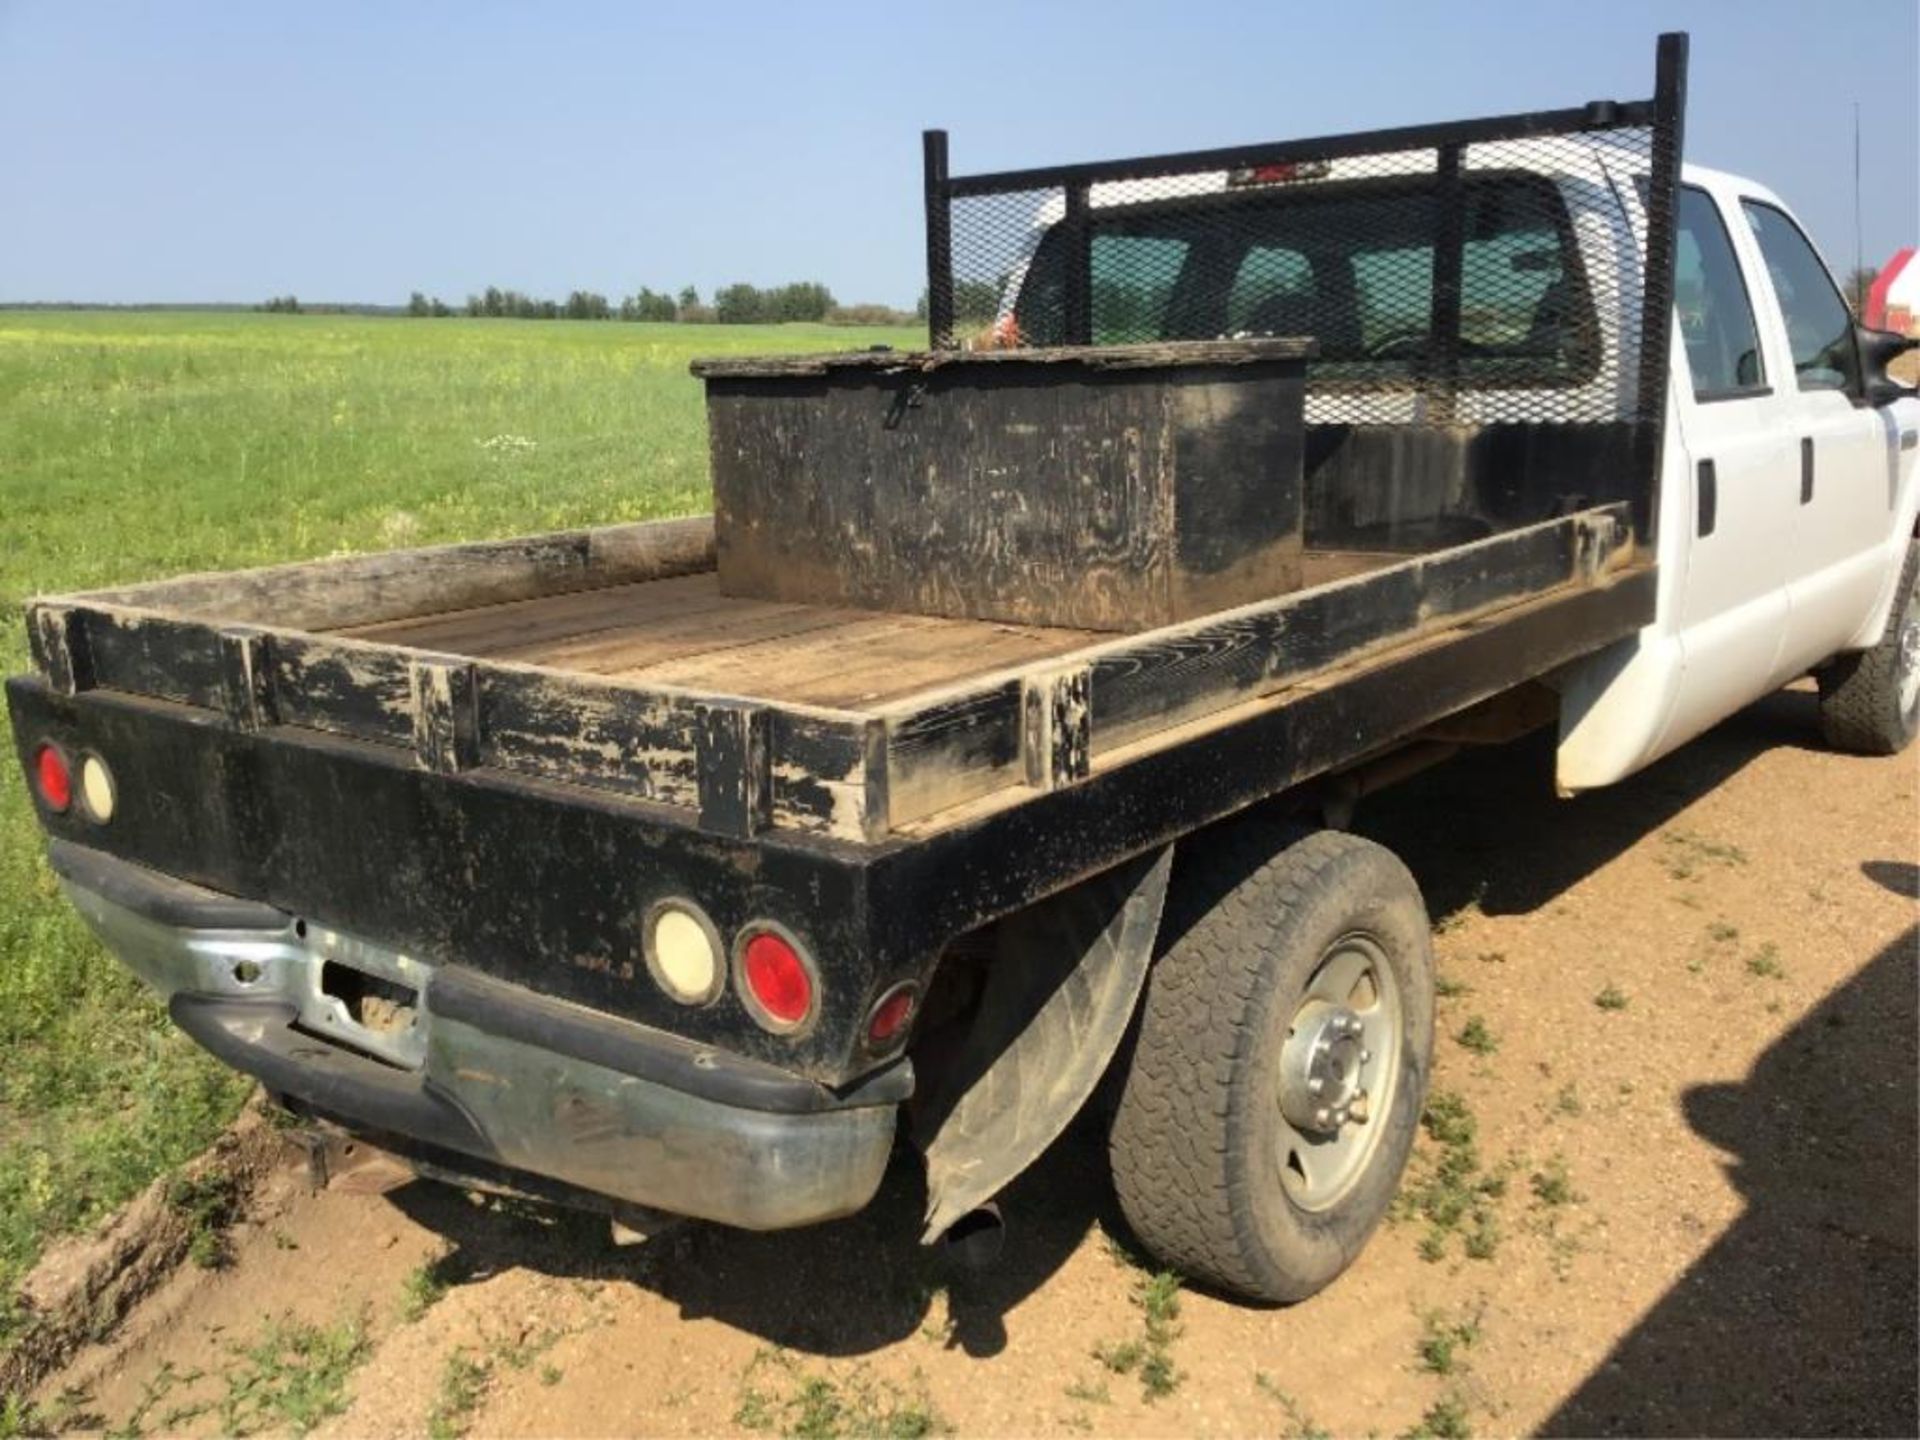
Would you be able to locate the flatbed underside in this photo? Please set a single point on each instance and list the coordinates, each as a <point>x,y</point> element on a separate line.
<point>683,632</point>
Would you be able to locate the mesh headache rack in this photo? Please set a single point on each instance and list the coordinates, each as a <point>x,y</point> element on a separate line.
<point>1510,271</point>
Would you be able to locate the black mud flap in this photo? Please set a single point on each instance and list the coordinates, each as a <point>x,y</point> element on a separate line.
<point>1064,977</point>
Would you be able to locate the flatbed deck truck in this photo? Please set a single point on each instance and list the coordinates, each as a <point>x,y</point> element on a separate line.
<point>993,736</point>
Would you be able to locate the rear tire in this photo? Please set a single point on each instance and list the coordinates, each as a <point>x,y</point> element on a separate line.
<point>1870,700</point>
<point>1225,1166</point>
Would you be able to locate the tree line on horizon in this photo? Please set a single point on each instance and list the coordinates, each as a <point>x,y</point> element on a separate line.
<point>737,304</point>
<point>975,302</point>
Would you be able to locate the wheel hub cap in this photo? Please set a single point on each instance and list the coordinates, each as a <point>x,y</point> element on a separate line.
<point>1338,1074</point>
<point>1322,1067</point>
<point>1907,661</point>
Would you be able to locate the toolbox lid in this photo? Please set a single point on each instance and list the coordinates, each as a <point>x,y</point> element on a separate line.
<point>1162,355</point>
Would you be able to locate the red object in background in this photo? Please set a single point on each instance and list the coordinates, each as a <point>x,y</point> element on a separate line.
<point>1875,314</point>
<point>777,977</point>
<point>53,778</point>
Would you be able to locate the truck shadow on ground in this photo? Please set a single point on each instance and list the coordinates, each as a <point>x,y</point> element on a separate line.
<point>1801,1318</point>
<point>860,1284</point>
<point>1509,845</point>
<point>841,1289</point>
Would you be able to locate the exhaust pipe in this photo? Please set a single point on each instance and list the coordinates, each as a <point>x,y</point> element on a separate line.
<point>976,1239</point>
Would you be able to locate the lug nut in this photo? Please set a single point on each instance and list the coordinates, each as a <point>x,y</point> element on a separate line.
<point>1316,1085</point>
<point>1365,1056</point>
<point>1358,1107</point>
<point>1321,1117</point>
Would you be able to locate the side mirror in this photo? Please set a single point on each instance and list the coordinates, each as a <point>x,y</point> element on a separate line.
<point>1878,350</point>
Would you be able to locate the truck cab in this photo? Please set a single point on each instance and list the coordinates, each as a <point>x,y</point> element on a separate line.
<point>1788,501</point>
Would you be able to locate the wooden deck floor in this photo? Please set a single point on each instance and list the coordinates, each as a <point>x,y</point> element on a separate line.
<point>684,632</point>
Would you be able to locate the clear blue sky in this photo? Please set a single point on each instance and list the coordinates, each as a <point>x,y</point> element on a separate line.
<point>343,151</point>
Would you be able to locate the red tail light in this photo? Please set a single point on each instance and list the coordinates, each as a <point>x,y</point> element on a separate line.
<point>778,980</point>
<point>890,1016</point>
<point>53,778</point>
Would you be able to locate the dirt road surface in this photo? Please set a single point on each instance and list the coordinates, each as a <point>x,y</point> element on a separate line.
<point>1687,1205</point>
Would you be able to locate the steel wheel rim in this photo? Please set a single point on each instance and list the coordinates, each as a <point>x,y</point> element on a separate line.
<point>1323,1152</point>
<point>1907,663</point>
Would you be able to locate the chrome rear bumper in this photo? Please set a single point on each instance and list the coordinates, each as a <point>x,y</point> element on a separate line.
<point>482,1068</point>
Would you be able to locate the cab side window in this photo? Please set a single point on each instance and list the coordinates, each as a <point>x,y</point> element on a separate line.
<point>1716,314</point>
<point>1819,325</point>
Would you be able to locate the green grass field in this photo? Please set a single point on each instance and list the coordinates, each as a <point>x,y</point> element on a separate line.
<point>138,445</point>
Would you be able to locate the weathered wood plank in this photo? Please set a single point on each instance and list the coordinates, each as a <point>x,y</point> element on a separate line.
<point>345,591</point>
<point>861,661</point>
<point>951,751</point>
<point>583,731</point>
<point>544,620</point>
<point>145,653</point>
<point>344,687</point>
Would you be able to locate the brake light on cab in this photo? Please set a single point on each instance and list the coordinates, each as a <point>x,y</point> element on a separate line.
<point>1283,172</point>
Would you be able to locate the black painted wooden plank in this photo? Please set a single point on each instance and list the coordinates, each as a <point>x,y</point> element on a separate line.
<point>1185,671</point>
<point>953,750</point>
<point>343,687</point>
<point>828,774</point>
<point>949,881</point>
<point>1159,355</point>
<point>581,731</point>
<point>733,768</point>
<point>150,654</point>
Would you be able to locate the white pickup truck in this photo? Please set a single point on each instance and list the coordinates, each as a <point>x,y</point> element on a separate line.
<point>994,734</point>
<point>1787,539</point>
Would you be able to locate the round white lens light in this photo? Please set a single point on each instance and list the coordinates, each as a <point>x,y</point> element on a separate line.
<point>96,789</point>
<point>683,952</point>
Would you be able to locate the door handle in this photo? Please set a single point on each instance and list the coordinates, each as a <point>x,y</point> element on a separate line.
<point>1707,496</point>
<point>1806,469</point>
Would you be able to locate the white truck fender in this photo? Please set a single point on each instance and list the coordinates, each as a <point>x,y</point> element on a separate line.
<point>1614,709</point>
<point>1902,420</point>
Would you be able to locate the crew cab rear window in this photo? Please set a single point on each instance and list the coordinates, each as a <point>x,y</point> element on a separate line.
<point>1710,297</point>
<point>1350,264</point>
<point>1153,264</point>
